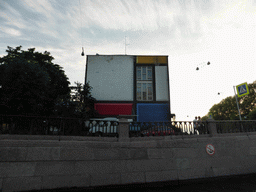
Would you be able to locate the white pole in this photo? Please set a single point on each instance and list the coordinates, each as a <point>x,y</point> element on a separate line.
<point>237,104</point>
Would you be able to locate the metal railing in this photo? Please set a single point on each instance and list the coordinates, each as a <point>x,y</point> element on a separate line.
<point>235,126</point>
<point>102,128</point>
<point>39,125</point>
<point>140,129</point>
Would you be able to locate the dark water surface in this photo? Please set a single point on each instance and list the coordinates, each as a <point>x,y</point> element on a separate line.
<point>233,184</point>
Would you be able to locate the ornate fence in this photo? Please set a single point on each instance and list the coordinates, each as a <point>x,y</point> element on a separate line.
<point>235,126</point>
<point>167,128</point>
<point>38,125</point>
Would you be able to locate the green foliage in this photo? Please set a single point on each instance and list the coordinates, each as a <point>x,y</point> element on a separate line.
<point>247,103</point>
<point>31,83</point>
<point>227,108</point>
<point>252,115</point>
<point>204,118</point>
<point>80,104</point>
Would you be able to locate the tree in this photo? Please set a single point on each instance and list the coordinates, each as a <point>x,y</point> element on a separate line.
<point>227,108</point>
<point>252,115</point>
<point>247,103</point>
<point>204,118</point>
<point>31,83</point>
<point>80,104</point>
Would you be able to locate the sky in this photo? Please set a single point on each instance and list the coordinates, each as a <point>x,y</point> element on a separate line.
<point>190,32</point>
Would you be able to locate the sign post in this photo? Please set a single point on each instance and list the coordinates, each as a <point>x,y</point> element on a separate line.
<point>242,90</point>
<point>237,105</point>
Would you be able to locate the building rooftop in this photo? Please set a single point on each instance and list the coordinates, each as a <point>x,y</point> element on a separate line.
<point>127,55</point>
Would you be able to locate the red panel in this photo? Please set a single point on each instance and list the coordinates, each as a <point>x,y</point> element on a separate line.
<point>114,108</point>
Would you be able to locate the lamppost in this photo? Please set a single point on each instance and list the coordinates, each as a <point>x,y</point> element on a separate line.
<point>82,54</point>
<point>201,65</point>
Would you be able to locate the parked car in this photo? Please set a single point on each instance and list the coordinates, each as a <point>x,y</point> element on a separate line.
<point>98,127</point>
<point>158,132</point>
<point>103,126</point>
<point>138,130</point>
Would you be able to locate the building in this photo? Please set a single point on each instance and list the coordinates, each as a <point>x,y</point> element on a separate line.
<point>130,85</point>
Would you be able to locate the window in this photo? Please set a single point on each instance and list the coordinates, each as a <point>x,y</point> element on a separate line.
<point>144,83</point>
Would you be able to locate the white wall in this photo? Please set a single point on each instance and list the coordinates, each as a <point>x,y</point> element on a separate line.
<point>111,77</point>
<point>161,83</point>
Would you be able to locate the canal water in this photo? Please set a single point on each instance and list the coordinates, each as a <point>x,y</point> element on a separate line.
<point>241,183</point>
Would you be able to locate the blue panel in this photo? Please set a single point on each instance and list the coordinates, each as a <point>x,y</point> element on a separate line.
<point>148,112</point>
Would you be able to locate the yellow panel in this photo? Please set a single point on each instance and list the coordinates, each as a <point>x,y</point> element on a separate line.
<point>152,59</point>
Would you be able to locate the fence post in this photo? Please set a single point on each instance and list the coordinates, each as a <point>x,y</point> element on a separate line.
<point>212,127</point>
<point>123,128</point>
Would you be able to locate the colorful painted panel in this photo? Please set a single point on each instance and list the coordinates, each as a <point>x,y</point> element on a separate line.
<point>114,108</point>
<point>152,59</point>
<point>149,112</point>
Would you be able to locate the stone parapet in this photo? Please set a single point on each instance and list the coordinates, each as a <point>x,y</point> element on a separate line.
<point>48,164</point>
<point>212,127</point>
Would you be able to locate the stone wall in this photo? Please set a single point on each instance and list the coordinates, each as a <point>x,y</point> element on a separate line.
<point>46,164</point>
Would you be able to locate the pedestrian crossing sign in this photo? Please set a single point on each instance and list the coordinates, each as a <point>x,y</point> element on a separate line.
<point>242,89</point>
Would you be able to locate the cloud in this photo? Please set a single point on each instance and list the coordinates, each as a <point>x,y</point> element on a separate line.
<point>11,31</point>
<point>40,6</point>
<point>151,25</point>
<point>11,16</point>
<point>121,15</point>
<point>139,15</point>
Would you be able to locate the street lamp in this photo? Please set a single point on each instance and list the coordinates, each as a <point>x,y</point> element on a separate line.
<point>82,51</point>
<point>203,64</point>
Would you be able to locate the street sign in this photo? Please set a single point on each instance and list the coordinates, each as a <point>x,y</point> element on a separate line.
<point>210,149</point>
<point>242,89</point>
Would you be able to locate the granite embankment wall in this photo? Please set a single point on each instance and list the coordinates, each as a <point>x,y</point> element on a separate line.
<point>45,162</point>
